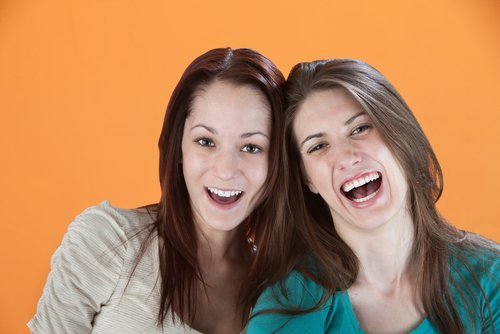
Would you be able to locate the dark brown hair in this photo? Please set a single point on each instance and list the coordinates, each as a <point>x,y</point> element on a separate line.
<point>179,267</point>
<point>434,238</point>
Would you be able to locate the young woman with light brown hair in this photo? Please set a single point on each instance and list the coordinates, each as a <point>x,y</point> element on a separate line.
<point>363,187</point>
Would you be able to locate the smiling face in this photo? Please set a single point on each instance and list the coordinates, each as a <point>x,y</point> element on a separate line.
<point>347,162</point>
<point>225,149</point>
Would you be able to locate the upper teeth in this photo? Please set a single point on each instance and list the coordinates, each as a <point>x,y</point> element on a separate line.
<point>348,186</point>
<point>224,193</point>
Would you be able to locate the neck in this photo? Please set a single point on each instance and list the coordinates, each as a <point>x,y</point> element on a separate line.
<point>221,246</point>
<point>383,252</point>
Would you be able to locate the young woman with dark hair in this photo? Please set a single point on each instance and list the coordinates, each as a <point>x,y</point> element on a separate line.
<point>363,187</point>
<point>188,263</point>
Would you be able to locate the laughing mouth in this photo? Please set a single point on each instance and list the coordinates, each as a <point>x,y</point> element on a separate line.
<point>362,188</point>
<point>224,196</point>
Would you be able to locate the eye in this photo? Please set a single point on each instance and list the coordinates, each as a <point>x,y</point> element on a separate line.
<point>316,147</point>
<point>361,129</point>
<point>205,142</point>
<point>250,148</point>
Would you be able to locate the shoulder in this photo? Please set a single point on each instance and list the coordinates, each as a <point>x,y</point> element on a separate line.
<point>294,305</point>
<point>474,283</point>
<point>86,268</point>
<point>107,224</point>
<point>296,291</point>
<point>481,261</point>
<point>105,216</point>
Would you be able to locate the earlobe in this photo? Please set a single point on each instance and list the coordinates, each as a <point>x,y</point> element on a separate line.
<point>311,186</point>
<point>307,181</point>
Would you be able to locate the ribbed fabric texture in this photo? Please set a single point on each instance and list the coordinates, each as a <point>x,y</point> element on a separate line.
<point>85,290</point>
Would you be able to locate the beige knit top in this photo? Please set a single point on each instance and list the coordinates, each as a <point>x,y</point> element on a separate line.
<point>85,290</point>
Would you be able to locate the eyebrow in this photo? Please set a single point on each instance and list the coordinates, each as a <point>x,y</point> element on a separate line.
<point>316,135</point>
<point>350,120</point>
<point>244,135</point>
<point>250,134</point>
<point>321,134</point>
<point>208,128</point>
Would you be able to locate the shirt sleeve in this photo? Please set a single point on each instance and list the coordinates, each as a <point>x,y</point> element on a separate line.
<point>84,272</point>
<point>300,295</point>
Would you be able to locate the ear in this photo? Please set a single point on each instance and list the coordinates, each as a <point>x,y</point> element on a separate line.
<point>312,188</point>
<point>309,183</point>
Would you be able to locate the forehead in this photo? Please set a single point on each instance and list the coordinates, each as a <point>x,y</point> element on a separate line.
<point>334,104</point>
<point>228,102</point>
<point>333,100</point>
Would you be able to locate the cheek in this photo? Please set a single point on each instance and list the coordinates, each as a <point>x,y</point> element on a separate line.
<point>257,170</point>
<point>192,164</point>
<point>401,181</point>
<point>395,173</point>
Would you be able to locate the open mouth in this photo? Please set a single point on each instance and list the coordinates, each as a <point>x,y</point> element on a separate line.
<point>363,188</point>
<point>224,196</point>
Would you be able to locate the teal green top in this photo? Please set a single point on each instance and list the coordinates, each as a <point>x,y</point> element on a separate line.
<point>336,315</point>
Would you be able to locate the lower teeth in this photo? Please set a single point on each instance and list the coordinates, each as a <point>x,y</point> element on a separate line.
<point>364,199</point>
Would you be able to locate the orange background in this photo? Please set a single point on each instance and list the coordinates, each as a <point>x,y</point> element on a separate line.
<point>84,85</point>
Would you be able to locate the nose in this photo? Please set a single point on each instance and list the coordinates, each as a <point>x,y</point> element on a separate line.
<point>345,155</point>
<point>226,165</point>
